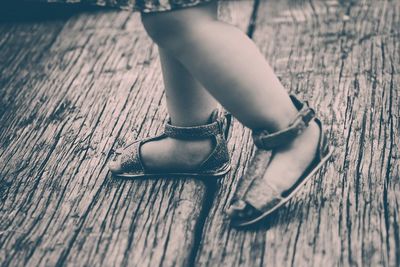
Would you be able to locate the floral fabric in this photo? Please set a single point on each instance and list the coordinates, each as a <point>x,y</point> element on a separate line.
<point>145,6</point>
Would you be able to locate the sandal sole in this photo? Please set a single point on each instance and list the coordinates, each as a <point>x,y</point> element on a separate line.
<point>220,173</point>
<point>290,196</point>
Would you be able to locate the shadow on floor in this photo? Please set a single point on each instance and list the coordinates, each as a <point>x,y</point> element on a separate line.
<point>21,11</point>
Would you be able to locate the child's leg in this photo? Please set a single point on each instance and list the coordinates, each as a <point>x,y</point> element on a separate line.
<point>226,62</point>
<point>188,102</point>
<point>232,69</point>
<point>188,105</point>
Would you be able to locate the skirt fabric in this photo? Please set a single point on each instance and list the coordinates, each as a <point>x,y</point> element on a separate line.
<point>144,6</point>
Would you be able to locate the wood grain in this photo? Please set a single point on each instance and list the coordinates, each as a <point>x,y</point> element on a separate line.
<point>343,58</point>
<point>74,89</point>
<point>93,86</point>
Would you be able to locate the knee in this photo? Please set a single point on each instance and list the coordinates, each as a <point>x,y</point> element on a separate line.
<point>170,29</point>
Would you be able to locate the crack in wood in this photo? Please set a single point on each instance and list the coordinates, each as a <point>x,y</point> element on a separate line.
<point>59,205</point>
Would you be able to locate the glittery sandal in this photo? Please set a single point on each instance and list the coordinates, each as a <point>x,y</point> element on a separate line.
<point>216,164</point>
<point>255,198</point>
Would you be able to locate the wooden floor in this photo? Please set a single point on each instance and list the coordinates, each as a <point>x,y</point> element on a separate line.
<point>75,88</point>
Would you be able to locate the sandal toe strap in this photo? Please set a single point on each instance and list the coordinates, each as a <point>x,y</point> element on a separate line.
<point>262,195</point>
<point>130,158</point>
<point>265,140</point>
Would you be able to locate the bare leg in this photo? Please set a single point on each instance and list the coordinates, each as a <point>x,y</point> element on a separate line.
<point>226,62</point>
<point>232,69</point>
<point>189,104</point>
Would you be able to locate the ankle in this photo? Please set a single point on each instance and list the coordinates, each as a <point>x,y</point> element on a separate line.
<point>191,120</point>
<point>282,119</point>
<point>271,121</point>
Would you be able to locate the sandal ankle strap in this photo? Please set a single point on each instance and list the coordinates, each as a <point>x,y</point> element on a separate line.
<point>215,127</point>
<point>265,140</point>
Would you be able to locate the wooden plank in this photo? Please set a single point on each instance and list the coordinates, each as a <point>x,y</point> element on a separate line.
<point>237,13</point>
<point>163,227</point>
<point>21,47</point>
<point>343,58</point>
<point>97,88</point>
<point>89,98</point>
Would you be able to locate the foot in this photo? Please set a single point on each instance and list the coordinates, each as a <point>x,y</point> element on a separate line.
<point>290,161</point>
<point>285,168</point>
<point>168,155</point>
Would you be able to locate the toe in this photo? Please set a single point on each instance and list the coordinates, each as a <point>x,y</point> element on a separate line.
<point>115,166</point>
<point>241,213</point>
<point>236,209</point>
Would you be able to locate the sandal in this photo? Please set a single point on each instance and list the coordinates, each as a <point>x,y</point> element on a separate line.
<point>216,164</point>
<point>255,198</point>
